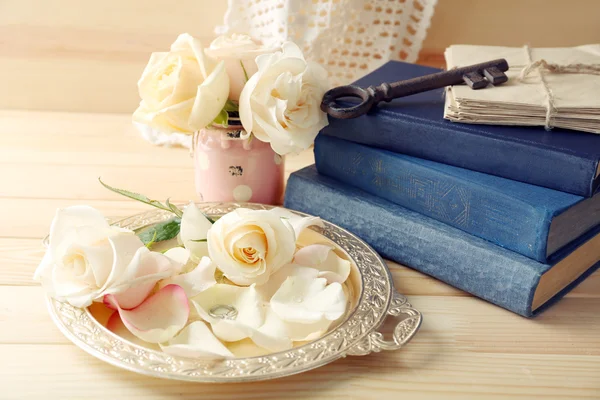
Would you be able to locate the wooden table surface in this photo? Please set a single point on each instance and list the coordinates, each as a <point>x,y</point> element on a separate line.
<point>466,349</point>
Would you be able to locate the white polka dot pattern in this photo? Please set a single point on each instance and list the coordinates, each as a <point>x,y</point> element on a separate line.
<point>242,193</point>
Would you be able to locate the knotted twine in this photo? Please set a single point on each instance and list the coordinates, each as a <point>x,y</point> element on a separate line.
<point>542,66</point>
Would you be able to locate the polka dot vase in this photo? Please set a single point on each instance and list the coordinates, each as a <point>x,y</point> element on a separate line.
<point>230,168</point>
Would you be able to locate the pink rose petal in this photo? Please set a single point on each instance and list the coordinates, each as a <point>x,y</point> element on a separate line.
<point>141,275</point>
<point>116,326</point>
<point>158,318</point>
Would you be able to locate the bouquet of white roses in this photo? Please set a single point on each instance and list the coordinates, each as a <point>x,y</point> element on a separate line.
<point>242,277</point>
<point>273,92</point>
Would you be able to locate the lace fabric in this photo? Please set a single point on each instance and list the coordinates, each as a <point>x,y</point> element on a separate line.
<point>350,38</point>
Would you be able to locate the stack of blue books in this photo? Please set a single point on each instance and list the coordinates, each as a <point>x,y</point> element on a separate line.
<point>505,213</point>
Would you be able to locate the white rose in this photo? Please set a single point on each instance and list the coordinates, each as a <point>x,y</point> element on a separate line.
<point>249,245</point>
<point>182,90</point>
<point>238,52</point>
<point>281,102</point>
<point>87,259</point>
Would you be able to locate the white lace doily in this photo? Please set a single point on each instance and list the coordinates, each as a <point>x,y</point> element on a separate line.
<point>348,37</point>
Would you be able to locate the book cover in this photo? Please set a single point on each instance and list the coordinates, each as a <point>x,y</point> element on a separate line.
<point>559,159</point>
<point>474,265</point>
<point>531,220</point>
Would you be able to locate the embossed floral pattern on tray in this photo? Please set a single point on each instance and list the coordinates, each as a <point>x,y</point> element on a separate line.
<point>356,335</point>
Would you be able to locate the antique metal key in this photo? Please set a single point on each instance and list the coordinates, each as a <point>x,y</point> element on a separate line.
<point>476,76</point>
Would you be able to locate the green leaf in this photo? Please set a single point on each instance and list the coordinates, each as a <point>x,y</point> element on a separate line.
<point>244,69</point>
<point>136,196</point>
<point>174,208</point>
<point>160,232</point>
<point>151,242</point>
<point>154,203</point>
<point>230,106</point>
<point>199,240</point>
<point>222,119</point>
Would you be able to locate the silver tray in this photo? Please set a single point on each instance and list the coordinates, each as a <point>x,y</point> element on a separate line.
<point>356,335</point>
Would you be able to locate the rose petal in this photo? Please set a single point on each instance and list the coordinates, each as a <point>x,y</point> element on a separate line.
<point>268,289</point>
<point>297,222</point>
<point>245,300</point>
<point>246,348</point>
<point>144,83</point>
<point>194,227</point>
<point>210,98</point>
<point>140,277</point>
<point>180,255</point>
<point>323,257</point>
<point>63,287</point>
<point>196,340</point>
<point>44,269</point>
<point>158,318</point>
<point>83,225</point>
<point>301,332</point>
<point>309,300</point>
<point>245,109</point>
<point>67,219</point>
<point>279,331</point>
<point>196,281</point>
<point>116,326</point>
<point>172,119</point>
<point>291,49</point>
<point>185,42</point>
<point>312,255</point>
<point>273,335</point>
<point>125,248</point>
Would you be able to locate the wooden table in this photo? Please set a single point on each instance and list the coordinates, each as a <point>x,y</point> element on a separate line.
<point>466,349</point>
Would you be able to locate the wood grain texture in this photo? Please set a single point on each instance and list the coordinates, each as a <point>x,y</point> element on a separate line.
<point>466,349</point>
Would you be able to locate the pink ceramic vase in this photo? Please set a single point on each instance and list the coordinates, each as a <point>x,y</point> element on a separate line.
<point>229,168</point>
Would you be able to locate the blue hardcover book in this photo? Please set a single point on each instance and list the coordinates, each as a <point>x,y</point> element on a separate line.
<point>477,266</point>
<point>531,220</point>
<point>564,160</point>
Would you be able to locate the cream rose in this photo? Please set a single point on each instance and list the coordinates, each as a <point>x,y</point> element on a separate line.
<point>182,90</point>
<point>249,245</point>
<point>88,259</point>
<point>238,52</point>
<point>281,102</point>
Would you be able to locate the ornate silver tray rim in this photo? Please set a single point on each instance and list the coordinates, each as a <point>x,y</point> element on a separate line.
<point>356,335</point>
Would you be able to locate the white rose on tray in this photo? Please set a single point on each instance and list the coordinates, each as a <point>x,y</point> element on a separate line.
<point>250,245</point>
<point>88,259</point>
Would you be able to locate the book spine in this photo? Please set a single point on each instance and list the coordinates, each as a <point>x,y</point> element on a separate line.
<point>480,210</point>
<point>474,265</point>
<point>443,143</point>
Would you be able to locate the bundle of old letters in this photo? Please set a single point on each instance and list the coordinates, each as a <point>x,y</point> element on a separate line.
<point>551,87</point>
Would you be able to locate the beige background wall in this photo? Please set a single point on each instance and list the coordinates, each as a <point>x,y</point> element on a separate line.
<point>84,55</point>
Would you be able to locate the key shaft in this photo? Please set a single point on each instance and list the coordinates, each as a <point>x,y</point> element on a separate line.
<point>389,91</point>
